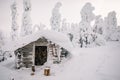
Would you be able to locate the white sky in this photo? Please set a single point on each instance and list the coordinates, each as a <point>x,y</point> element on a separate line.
<point>41,10</point>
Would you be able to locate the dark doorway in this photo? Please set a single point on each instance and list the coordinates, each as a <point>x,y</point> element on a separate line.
<point>40,55</point>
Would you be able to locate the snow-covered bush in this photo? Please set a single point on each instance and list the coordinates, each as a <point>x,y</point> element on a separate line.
<point>55,20</point>
<point>1,56</point>
<point>70,35</point>
<point>26,27</point>
<point>99,41</point>
<point>4,55</point>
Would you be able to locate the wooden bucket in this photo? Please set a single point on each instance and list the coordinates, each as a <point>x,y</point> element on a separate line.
<point>47,71</point>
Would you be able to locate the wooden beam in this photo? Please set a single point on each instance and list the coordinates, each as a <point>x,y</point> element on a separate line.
<point>33,59</point>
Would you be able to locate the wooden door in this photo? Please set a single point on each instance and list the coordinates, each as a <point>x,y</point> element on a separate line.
<point>40,55</point>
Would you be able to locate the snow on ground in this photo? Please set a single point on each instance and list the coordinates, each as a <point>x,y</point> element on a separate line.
<point>6,69</point>
<point>101,63</point>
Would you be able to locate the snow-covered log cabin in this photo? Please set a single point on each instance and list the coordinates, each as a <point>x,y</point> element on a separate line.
<point>39,48</point>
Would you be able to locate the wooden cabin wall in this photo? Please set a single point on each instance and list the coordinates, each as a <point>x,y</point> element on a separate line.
<point>27,55</point>
<point>24,56</point>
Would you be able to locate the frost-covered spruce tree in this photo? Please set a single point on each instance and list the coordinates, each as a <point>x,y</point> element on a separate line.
<point>85,32</point>
<point>98,26</point>
<point>26,27</point>
<point>14,27</point>
<point>110,24</point>
<point>55,20</point>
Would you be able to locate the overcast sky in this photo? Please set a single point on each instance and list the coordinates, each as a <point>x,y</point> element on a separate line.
<point>41,10</point>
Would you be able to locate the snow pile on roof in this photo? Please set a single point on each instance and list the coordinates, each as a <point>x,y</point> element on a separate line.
<point>56,37</point>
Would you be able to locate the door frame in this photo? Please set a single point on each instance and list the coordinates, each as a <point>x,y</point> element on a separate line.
<point>41,54</point>
<point>34,45</point>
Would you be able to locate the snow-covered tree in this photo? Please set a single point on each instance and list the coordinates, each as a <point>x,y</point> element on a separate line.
<point>98,26</point>
<point>14,28</point>
<point>110,25</point>
<point>85,30</point>
<point>87,14</point>
<point>65,28</point>
<point>1,44</point>
<point>117,34</point>
<point>75,33</point>
<point>40,27</point>
<point>1,39</point>
<point>3,54</point>
<point>26,27</point>
<point>55,20</point>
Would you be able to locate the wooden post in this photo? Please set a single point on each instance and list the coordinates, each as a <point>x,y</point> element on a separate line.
<point>33,58</point>
<point>33,54</point>
<point>58,53</point>
<point>33,68</point>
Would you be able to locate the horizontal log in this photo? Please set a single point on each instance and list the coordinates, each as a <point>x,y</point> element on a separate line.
<point>26,54</point>
<point>27,62</point>
<point>27,59</point>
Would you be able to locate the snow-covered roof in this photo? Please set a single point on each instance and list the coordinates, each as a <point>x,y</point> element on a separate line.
<point>56,37</point>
